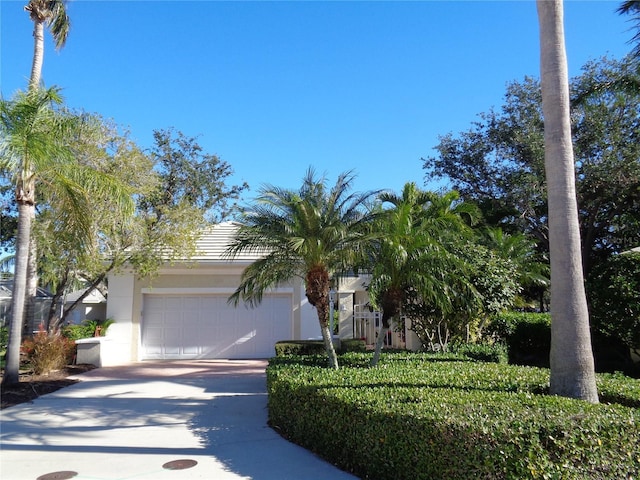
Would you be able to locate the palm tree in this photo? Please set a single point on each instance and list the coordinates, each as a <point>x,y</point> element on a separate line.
<point>572,365</point>
<point>53,15</point>
<point>632,7</point>
<point>313,233</point>
<point>35,139</point>
<point>408,257</point>
<point>532,273</point>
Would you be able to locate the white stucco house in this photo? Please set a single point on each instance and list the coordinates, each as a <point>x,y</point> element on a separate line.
<point>182,313</point>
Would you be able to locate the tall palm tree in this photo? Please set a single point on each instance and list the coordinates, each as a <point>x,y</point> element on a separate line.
<point>313,233</point>
<point>632,7</point>
<point>53,15</point>
<point>572,365</point>
<point>35,146</point>
<point>409,254</point>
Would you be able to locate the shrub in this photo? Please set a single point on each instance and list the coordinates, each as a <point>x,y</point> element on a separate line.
<point>316,347</point>
<point>87,329</point>
<point>352,345</point>
<point>47,352</point>
<point>527,336</point>
<point>614,299</point>
<point>4,339</point>
<point>418,418</point>
<point>299,347</point>
<point>483,352</point>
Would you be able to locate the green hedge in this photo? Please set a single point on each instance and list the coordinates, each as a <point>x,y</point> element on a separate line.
<point>527,335</point>
<point>426,417</point>
<point>316,347</point>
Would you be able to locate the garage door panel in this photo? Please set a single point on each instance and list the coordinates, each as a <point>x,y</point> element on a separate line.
<point>184,326</point>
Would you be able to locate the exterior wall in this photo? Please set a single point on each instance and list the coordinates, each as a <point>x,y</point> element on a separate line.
<point>126,302</point>
<point>120,349</point>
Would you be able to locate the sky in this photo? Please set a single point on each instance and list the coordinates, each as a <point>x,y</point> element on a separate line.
<point>276,87</point>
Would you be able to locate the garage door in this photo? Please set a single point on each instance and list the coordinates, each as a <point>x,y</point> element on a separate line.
<point>199,326</point>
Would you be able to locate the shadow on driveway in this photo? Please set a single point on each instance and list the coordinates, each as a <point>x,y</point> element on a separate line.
<point>124,422</point>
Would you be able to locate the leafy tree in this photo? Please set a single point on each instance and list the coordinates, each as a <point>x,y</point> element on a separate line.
<point>571,359</point>
<point>313,233</point>
<point>407,258</point>
<point>191,176</point>
<point>499,163</point>
<point>177,189</point>
<point>35,147</point>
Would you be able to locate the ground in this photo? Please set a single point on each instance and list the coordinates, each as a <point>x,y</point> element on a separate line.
<point>32,386</point>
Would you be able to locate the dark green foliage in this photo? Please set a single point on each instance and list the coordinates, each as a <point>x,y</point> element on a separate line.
<point>352,345</point>
<point>87,329</point>
<point>414,417</point>
<point>527,336</point>
<point>614,299</point>
<point>316,347</point>
<point>299,347</point>
<point>482,352</point>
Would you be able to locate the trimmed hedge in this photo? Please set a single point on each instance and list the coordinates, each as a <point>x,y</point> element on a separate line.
<point>428,417</point>
<point>316,347</point>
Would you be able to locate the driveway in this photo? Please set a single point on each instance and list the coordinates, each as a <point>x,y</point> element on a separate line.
<point>163,420</point>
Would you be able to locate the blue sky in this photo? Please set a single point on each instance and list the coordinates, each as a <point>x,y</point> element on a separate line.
<point>275,87</point>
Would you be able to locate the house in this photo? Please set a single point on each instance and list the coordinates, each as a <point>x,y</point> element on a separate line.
<point>183,313</point>
<point>42,304</point>
<point>92,307</point>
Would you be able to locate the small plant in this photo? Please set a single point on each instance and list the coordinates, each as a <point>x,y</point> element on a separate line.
<point>47,352</point>
<point>87,329</point>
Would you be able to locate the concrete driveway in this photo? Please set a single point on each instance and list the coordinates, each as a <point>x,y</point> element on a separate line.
<point>164,420</point>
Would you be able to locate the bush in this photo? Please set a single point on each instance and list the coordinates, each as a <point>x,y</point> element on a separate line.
<point>87,329</point>
<point>352,345</point>
<point>483,352</point>
<point>614,299</point>
<point>4,339</point>
<point>419,418</point>
<point>527,336</point>
<point>46,353</point>
<point>299,347</point>
<point>316,347</point>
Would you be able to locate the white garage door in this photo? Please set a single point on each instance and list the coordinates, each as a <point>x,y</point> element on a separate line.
<point>205,326</point>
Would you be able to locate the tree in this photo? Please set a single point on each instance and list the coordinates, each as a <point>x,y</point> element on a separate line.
<point>499,163</point>
<point>190,175</point>
<point>178,189</point>
<point>632,8</point>
<point>35,148</point>
<point>313,233</point>
<point>407,258</point>
<point>51,14</point>
<point>571,360</point>
<point>531,267</point>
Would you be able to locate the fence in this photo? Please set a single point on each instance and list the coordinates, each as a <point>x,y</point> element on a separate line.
<point>367,325</point>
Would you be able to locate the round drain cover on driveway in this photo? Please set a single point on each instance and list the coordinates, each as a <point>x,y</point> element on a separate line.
<point>179,464</point>
<point>57,475</point>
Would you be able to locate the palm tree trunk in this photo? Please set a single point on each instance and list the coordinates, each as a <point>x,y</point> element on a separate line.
<point>38,55</point>
<point>32,268</point>
<point>382,334</point>
<point>12,366</point>
<point>572,365</point>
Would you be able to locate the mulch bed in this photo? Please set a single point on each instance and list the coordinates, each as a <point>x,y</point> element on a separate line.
<point>32,386</point>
